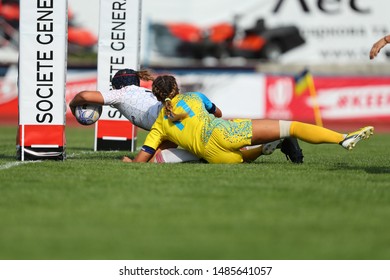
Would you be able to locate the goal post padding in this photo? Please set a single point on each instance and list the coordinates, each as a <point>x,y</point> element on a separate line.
<point>118,48</point>
<point>42,79</point>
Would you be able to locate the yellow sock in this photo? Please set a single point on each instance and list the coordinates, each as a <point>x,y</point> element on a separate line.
<point>314,134</point>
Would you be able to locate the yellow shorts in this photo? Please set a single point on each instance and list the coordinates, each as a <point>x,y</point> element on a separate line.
<point>226,140</point>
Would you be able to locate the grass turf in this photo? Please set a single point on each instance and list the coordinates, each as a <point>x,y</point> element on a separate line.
<point>92,206</point>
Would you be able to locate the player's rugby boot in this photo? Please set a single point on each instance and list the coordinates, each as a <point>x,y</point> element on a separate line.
<point>290,147</point>
<point>352,138</point>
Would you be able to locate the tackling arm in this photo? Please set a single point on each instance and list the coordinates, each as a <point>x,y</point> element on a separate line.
<point>218,112</point>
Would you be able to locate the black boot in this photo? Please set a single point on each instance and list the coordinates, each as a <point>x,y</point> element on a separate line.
<point>290,147</point>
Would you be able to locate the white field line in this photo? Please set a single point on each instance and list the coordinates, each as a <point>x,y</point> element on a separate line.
<point>92,152</point>
<point>80,153</point>
<point>9,165</point>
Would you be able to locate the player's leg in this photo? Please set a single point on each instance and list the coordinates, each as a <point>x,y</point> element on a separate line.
<point>244,128</point>
<point>289,146</point>
<point>251,153</point>
<point>316,135</point>
<point>173,155</point>
<point>168,152</point>
<point>269,130</point>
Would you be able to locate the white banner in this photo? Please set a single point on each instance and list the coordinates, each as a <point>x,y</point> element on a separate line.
<point>240,95</point>
<point>334,31</point>
<point>42,62</point>
<point>200,269</point>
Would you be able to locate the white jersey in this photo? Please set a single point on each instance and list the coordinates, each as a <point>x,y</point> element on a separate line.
<point>137,104</point>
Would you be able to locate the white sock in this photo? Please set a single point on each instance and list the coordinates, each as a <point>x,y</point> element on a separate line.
<point>284,128</point>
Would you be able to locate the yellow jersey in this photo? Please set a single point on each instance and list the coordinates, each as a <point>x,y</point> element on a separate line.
<point>200,132</point>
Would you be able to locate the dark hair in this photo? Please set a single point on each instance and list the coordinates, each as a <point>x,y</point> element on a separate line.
<point>165,88</point>
<point>128,77</point>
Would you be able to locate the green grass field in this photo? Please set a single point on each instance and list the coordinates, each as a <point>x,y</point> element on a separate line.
<point>92,206</point>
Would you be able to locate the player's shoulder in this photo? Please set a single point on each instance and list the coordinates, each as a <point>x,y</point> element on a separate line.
<point>199,96</point>
<point>194,94</point>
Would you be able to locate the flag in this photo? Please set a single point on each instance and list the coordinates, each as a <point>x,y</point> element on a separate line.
<point>304,81</point>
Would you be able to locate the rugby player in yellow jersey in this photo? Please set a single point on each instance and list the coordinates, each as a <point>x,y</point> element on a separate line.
<point>185,122</point>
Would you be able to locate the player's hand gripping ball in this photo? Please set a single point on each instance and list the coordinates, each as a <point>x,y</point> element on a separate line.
<point>88,114</point>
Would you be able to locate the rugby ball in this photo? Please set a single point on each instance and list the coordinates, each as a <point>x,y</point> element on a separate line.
<point>88,114</point>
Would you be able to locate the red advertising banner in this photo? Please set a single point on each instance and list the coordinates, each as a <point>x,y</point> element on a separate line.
<point>341,100</point>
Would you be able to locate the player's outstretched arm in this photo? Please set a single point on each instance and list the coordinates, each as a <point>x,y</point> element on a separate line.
<point>378,46</point>
<point>86,97</point>
<point>142,156</point>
